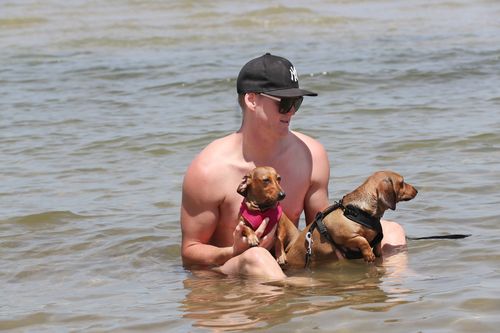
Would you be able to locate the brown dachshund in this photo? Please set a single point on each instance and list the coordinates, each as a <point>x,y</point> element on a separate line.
<point>262,193</point>
<point>348,226</point>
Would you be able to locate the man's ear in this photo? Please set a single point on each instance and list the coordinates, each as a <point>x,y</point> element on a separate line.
<point>243,187</point>
<point>387,194</point>
<point>250,100</point>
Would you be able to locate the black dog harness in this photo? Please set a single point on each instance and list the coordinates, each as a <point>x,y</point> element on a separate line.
<point>351,212</point>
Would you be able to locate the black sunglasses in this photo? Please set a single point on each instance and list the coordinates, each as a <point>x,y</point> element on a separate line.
<point>286,103</point>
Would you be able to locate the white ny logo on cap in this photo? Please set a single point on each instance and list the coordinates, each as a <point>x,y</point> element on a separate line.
<point>293,74</point>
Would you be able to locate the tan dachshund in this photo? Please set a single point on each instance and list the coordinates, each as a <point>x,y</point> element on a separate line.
<point>262,193</point>
<point>352,225</point>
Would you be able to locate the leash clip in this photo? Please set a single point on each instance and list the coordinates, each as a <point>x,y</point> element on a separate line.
<point>309,243</point>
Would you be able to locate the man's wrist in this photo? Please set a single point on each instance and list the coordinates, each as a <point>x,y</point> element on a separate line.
<point>237,250</point>
<point>226,254</point>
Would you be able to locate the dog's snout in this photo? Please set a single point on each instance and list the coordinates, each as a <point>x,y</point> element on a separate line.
<point>413,189</point>
<point>409,192</point>
<point>281,195</point>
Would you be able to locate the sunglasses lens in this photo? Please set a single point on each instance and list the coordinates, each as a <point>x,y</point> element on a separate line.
<point>298,103</point>
<point>287,103</point>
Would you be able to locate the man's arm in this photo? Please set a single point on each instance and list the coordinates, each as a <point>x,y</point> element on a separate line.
<point>199,218</point>
<point>316,198</point>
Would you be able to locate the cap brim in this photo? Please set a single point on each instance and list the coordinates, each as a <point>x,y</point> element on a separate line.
<point>291,92</point>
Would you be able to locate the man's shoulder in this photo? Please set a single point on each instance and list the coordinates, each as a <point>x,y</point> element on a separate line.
<point>317,151</point>
<point>214,158</point>
<point>223,143</point>
<point>216,152</point>
<point>313,144</point>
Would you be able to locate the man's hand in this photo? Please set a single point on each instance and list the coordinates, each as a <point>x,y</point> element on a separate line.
<point>240,244</point>
<point>268,240</point>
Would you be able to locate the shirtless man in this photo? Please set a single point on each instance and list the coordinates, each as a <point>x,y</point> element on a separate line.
<point>269,95</point>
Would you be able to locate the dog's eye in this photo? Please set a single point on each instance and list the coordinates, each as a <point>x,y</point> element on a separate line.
<point>266,180</point>
<point>278,178</point>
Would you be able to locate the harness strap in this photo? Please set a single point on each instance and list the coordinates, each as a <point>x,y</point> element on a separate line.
<point>318,223</point>
<point>351,212</point>
<point>357,215</point>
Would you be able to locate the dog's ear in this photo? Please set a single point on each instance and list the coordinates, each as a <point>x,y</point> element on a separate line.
<point>243,187</point>
<point>387,194</point>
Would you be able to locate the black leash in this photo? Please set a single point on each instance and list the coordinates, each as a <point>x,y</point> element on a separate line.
<point>452,236</point>
<point>357,215</point>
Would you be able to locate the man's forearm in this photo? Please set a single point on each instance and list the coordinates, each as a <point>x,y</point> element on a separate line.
<point>205,255</point>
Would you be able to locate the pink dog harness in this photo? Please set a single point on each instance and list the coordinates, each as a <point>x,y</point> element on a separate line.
<point>255,218</point>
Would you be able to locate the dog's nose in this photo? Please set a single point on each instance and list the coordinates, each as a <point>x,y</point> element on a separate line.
<point>281,195</point>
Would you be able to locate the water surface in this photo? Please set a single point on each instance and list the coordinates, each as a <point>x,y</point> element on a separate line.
<point>104,104</point>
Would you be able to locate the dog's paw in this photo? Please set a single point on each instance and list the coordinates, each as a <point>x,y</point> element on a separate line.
<point>253,240</point>
<point>370,257</point>
<point>281,260</point>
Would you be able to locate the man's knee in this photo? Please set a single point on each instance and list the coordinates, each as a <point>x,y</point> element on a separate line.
<point>394,234</point>
<point>256,256</point>
<point>257,261</point>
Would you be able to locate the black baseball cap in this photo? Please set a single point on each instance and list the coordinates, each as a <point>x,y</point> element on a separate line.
<point>272,75</point>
